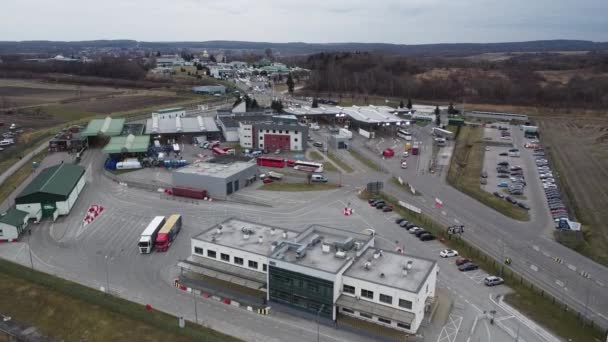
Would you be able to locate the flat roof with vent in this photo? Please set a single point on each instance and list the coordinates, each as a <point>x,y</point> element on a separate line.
<point>247,236</point>
<point>322,248</point>
<point>391,269</point>
<point>216,170</point>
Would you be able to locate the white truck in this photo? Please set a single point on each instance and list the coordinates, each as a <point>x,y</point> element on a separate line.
<point>313,126</point>
<point>148,237</point>
<point>275,175</point>
<point>346,133</point>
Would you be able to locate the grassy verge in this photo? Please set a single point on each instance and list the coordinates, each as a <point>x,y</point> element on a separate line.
<point>534,303</point>
<point>293,187</point>
<point>314,155</point>
<point>72,312</point>
<point>365,161</point>
<point>329,167</point>
<point>405,186</point>
<point>19,176</point>
<point>465,168</point>
<point>334,158</point>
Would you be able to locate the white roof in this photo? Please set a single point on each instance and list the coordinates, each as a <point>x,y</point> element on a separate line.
<point>176,125</point>
<point>368,114</point>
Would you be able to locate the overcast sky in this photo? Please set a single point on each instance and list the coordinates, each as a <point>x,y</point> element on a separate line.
<point>390,21</point>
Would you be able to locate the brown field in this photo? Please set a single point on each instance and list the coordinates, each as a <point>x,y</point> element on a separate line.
<point>578,148</point>
<point>120,103</point>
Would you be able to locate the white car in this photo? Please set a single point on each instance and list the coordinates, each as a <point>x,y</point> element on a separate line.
<point>406,154</point>
<point>404,165</point>
<point>446,253</point>
<point>414,230</point>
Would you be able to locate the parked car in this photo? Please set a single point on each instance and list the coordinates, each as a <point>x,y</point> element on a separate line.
<point>447,253</point>
<point>503,163</point>
<point>503,184</point>
<point>409,225</point>
<point>493,281</point>
<point>399,220</point>
<point>502,175</point>
<point>523,205</point>
<point>427,237</point>
<point>372,200</point>
<point>511,200</point>
<point>483,181</point>
<point>462,261</point>
<point>498,194</point>
<point>317,144</point>
<point>387,208</point>
<point>404,165</point>
<point>267,180</point>
<point>403,224</point>
<point>406,154</point>
<point>503,154</point>
<point>469,266</point>
<point>380,206</point>
<point>414,230</point>
<point>420,232</point>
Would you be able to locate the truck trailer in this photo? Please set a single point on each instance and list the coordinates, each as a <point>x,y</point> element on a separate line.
<point>415,149</point>
<point>168,232</point>
<point>189,192</point>
<point>148,237</point>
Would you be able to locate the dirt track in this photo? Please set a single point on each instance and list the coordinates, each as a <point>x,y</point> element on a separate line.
<point>579,149</point>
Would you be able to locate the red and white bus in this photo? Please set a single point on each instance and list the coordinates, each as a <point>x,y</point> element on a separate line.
<point>308,166</point>
<point>270,161</point>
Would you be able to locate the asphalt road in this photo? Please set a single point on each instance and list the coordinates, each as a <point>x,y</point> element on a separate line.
<point>578,281</point>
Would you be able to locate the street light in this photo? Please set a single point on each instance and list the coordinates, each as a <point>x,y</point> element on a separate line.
<point>195,308</point>
<point>29,246</point>
<point>319,313</point>
<point>107,258</point>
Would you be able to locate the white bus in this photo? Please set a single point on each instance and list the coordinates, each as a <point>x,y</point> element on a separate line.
<point>148,237</point>
<point>308,166</point>
<point>404,134</point>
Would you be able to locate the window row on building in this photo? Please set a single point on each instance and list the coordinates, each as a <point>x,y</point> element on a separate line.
<point>275,131</point>
<point>211,254</point>
<point>368,294</point>
<point>376,319</point>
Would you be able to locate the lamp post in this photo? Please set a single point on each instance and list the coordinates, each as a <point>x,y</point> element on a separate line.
<point>107,258</point>
<point>195,307</point>
<point>29,246</point>
<point>318,314</point>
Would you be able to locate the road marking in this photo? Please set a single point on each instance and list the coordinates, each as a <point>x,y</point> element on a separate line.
<point>456,221</point>
<point>572,267</point>
<point>536,248</point>
<point>534,268</point>
<point>546,254</point>
<point>599,283</point>
<point>450,329</point>
<point>559,283</point>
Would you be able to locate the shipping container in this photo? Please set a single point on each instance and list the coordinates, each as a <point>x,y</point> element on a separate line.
<point>189,192</point>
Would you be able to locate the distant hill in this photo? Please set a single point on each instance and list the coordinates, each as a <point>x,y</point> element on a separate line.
<point>299,48</point>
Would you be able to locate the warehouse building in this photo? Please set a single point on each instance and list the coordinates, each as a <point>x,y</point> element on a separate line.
<point>108,127</point>
<point>322,271</point>
<point>13,224</point>
<point>209,89</point>
<point>221,176</point>
<point>130,144</point>
<point>175,126</point>
<point>53,192</point>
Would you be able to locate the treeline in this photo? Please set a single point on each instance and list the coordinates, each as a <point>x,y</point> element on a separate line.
<point>516,80</point>
<point>107,67</point>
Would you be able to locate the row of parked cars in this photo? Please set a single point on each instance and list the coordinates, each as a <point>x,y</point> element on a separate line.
<point>420,233</point>
<point>380,204</point>
<point>466,264</point>
<point>554,199</point>
<point>515,174</point>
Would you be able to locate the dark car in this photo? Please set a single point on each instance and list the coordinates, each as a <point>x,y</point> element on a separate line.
<point>380,206</point>
<point>484,174</point>
<point>420,232</point>
<point>462,261</point>
<point>503,163</point>
<point>387,208</point>
<point>511,200</point>
<point>399,220</point>
<point>523,205</point>
<point>503,154</point>
<point>409,225</point>
<point>498,194</point>
<point>372,200</point>
<point>483,181</point>
<point>502,175</point>
<point>377,203</point>
<point>427,237</point>
<point>469,266</point>
<point>403,224</point>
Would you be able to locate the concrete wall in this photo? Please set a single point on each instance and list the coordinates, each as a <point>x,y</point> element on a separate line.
<point>246,256</point>
<point>8,232</point>
<point>246,135</point>
<point>34,209</point>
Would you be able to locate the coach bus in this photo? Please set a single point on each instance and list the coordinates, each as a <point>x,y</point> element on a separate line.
<point>270,161</point>
<point>308,166</point>
<point>403,134</point>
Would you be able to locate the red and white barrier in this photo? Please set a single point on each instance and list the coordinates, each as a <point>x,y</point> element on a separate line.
<point>348,211</point>
<point>94,211</point>
<point>438,203</point>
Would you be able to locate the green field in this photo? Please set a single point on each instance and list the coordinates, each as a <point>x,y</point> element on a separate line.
<point>465,170</point>
<point>71,312</point>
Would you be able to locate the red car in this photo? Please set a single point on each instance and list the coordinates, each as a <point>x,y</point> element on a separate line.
<point>291,162</point>
<point>267,180</point>
<point>462,261</point>
<point>389,152</point>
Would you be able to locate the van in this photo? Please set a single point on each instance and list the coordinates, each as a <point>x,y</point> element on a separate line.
<point>318,178</point>
<point>256,153</point>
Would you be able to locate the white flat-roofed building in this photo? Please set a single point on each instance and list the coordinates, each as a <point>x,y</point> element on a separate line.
<point>388,288</point>
<point>322,270</point>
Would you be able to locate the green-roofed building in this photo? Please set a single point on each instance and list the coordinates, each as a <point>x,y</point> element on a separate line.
<point>129,144</point>
<point>53,192</point>
<point>107,127</point>
<point>12,224</point>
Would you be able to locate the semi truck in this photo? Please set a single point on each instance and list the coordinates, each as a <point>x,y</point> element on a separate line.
<point>148,237</point>
<point>346,133</point>
<point>189,192</point>
<point>275,175</point>
<point>168,232</point>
